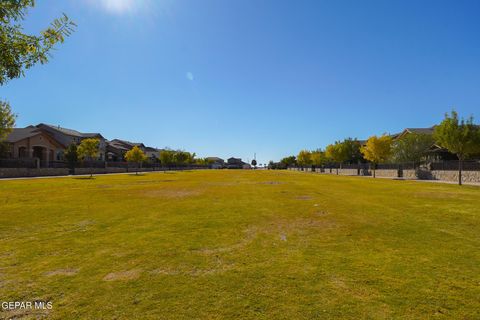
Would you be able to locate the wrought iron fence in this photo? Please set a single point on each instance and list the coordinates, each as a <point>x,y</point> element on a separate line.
<point>469,165</point>
<point>36,163</point>
<point>450,165</point>
<point>18,163</point>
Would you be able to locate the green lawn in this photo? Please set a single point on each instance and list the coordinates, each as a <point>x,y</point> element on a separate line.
<point>240,245</point>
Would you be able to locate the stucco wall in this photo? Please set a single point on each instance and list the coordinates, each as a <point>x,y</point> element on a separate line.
<point>39,140</point>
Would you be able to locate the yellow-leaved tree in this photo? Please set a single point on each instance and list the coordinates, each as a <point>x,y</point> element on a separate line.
<point>88,150</point>
<point>336,153</point>
<point>304,158</point>
<point>377,150</point>
<point>137,156</point>
<point>318,158</point>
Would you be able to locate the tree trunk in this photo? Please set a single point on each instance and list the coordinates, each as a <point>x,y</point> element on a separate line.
<point>460,167</point>
<point>91,171</point>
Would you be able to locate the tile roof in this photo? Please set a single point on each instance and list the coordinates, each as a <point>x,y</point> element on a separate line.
<point>420,130</point>
<point>71,132</point>
<point>18,134</point>
<point>66,131</point>
<point>214,158</point>
<point>125,142</point>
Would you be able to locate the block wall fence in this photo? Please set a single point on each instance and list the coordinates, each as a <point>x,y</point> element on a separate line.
<point>45,172</point>
<point>421,174</point>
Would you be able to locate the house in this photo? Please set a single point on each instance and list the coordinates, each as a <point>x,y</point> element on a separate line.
<point>33,142</point>
<point>116,149</point>
<point>68,136</point>
<point>46,142</point>
<point>127,144</point>
<point>216,162</point>
<point>407,131</point>
<point>235,163</point>
<point>436,152</point>
<point>152,153</point>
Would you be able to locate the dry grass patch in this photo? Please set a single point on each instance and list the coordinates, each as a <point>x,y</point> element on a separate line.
<point>304,198</point>
<point>62,272</point>
<point>171,193</point>
<point>123,275</point>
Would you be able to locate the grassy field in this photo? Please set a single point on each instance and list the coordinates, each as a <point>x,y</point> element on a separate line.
<point>240,245</point>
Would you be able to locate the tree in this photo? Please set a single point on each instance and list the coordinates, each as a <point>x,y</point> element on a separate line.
<point>254,163</point>
<point>350,149</point>
<point>167,157</point>
<point>183,157</point>
<point>377,150</point>
<point>71,155</point>
<point>135,155</point>
<point>336,153</point>
<point>304,158</point>
<point>461,137</point>
<point>318,158</point>
<point>289,161</point>
<point>204,161</point>
<point>7,120</point>
<point>20,51</point>
<point>412,147</point>
<point>88,150</point>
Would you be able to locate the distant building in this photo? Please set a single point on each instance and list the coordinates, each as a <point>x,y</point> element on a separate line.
<point>68,136</point>
<point>32,142</point>
<point>216,162</point>
<point>152,153</point>
<point>235,163</point>
<point>435,153</point>
<point>47,142</point>
<point>117,148</point>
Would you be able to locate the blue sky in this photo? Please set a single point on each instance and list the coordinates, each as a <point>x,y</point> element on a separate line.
<point>231,78</point>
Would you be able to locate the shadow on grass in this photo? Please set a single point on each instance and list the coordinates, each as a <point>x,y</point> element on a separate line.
<point>84,178</point>
<point>137,175</point>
